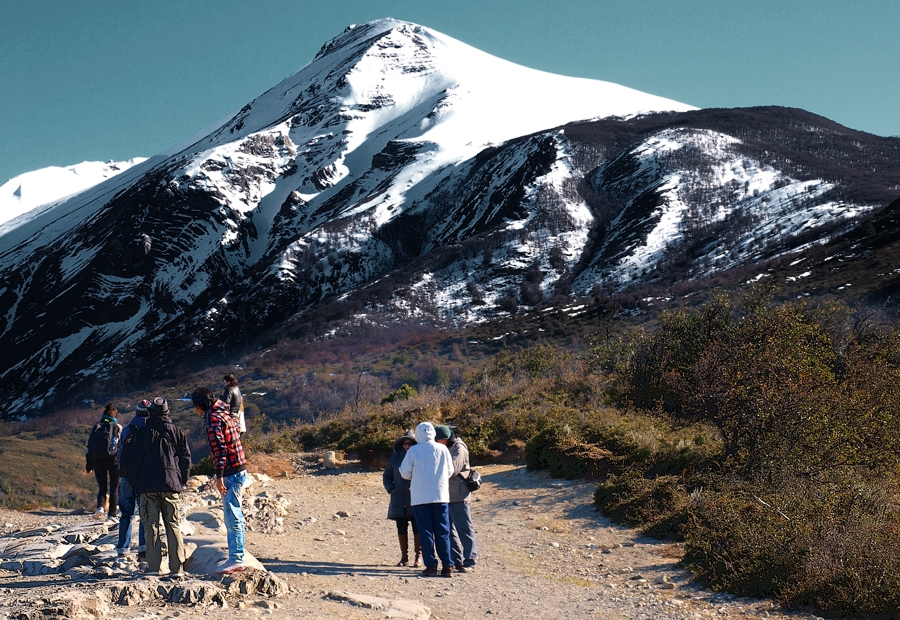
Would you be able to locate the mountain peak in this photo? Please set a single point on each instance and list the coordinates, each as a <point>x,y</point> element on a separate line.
<point>355,34</point>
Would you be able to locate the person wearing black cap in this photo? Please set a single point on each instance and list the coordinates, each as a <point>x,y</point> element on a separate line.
<point>128,499</point>
<point>158,463</point>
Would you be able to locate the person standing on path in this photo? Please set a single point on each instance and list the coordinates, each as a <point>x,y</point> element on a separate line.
<point>129,501</point>
<point>235,400</point>
<point>463,546</point>
<point>158,462</point>
<point>428,466</point>
<point>400,508</point>
<point>231,471</point>
<point>100,458</point>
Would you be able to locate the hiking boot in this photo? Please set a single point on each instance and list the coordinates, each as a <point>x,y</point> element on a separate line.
<point>459,568</point>
<point>447,571</point>
<point>230,567</point>
<point>430,571</point>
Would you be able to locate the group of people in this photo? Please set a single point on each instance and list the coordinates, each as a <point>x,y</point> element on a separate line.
<point>144,466</point>
<point>426,477</point>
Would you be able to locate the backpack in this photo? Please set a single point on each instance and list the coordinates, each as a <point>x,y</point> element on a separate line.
<point>104,439</point>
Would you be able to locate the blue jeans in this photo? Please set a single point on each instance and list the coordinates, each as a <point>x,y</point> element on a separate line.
<point>128,505</point>
<point>434,531</point>
<point>234,516</point>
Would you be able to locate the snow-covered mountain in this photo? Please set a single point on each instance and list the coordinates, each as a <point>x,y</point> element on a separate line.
<point>402,171</point>
<point>48,185</point>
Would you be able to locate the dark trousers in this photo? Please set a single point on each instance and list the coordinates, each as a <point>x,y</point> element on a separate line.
<point>434,532</point>
<point>107,475</point>
<point>403,525</point>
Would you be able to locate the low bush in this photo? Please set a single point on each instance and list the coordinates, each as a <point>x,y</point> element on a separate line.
<point>836,546</point>
<point>657,505</point>
<point>566,455</point>
<point>204,467</point>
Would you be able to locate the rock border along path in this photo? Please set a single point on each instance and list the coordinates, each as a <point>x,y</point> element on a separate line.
<point>329,552</point>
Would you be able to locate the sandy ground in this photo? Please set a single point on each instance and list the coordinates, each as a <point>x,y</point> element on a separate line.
<point>543,553</point>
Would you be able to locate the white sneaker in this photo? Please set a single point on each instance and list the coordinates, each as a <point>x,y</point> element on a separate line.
<point>230,567</point>
<point>99,513</point>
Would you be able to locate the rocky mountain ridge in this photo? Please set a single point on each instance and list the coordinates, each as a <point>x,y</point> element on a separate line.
<point>425,180</point>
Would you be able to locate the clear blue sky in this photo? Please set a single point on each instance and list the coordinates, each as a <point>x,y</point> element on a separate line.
<point>106,79</point>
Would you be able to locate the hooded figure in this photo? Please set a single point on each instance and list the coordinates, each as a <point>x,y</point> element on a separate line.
<point>428,466</point>
<point>400,508</point>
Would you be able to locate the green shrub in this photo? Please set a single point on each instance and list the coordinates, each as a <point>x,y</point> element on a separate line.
<point>539,447</point>
<point>567,456</point>
<point>656,505</point>
<point>204,468</point>
<point>836,547</point>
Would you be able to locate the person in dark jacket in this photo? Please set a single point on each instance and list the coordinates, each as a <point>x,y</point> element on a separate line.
<point>231,471</point>
<point>234,399</point>
<point>158,462</point>
<point>129,501</point>
<point>463,545</point>
<point>105,466</point>
<point>400,507</point>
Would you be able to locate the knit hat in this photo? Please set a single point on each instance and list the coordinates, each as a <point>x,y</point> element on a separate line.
<point>160,406</point>
<point>143,408</point>
<point>442,432</point>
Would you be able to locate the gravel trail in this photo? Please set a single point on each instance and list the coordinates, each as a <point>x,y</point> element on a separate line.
<point>543,553</point>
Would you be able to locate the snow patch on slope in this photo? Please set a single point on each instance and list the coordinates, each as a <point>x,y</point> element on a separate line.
<point>32,189</point>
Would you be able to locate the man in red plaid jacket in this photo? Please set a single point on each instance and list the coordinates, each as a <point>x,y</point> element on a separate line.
<point>231,470</point>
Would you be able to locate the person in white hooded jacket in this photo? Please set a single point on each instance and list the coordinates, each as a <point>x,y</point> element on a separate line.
<point>428,466</point>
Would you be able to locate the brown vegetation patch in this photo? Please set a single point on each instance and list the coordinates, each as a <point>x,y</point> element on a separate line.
<point>271,465</point>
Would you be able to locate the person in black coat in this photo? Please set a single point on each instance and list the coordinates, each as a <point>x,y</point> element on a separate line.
<point>400,508</point>
<point>157,461</point>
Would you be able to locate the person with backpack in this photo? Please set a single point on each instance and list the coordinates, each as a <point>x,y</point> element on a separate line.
<point>235,401</point>
<point>100,458</point>
<point>463,545</point>
<point>158,462</point>
<point>231,470</point>
<point>129,501</point>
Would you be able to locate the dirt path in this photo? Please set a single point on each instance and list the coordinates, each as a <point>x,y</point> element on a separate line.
<point>543,553</point>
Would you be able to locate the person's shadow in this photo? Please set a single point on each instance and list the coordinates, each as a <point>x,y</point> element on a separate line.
<point>331,569</point>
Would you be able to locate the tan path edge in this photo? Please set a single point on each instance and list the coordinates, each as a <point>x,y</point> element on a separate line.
<point>543,553</point>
